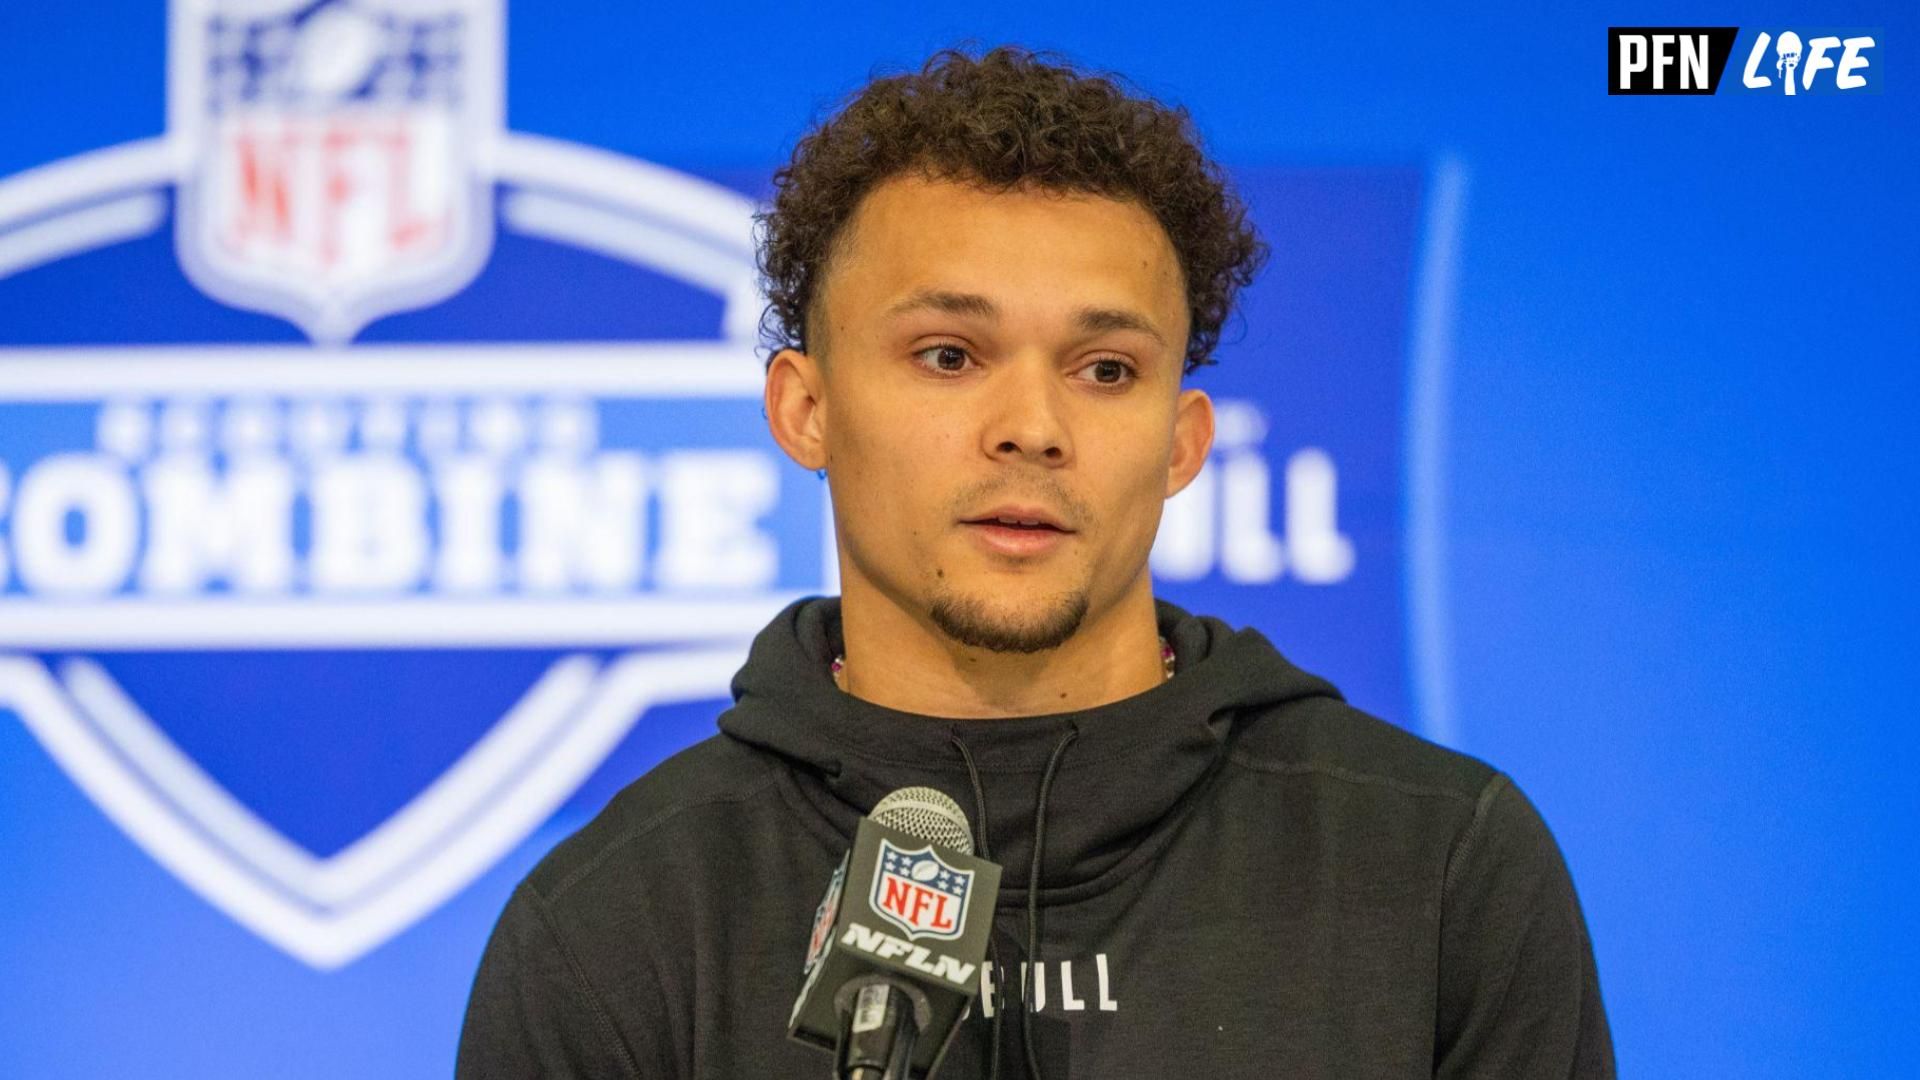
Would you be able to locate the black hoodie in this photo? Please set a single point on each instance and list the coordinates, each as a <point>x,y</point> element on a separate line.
<point>1240,875</point>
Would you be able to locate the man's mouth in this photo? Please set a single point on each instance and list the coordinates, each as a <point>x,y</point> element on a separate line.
<point>1019,532</point>
<point>1033,518</point>
<point>1014,523</point>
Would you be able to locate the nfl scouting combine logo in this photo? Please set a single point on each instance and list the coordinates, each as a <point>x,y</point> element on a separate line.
<point>368,470</point>
<point>454,573</point>
<point>921,893</point>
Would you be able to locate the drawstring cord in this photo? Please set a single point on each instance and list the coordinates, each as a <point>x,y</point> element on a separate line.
<point>986,852</point>
<point>1033,900</point>
<point>1028,970</point>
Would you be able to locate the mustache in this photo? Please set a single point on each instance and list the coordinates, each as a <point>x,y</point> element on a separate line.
<point>1046,493</point>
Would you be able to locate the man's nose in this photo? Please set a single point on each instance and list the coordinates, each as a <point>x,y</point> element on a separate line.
<point>1026,420</point>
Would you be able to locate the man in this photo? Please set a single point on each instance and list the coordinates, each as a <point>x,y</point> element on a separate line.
<point>988,280</point>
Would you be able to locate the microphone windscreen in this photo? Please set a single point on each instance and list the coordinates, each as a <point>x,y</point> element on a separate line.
<point>929,814</point>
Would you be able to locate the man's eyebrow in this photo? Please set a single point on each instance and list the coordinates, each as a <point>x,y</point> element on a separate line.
<point>952,303</point>
<point>1091,320</point>
<point>1100,320</point>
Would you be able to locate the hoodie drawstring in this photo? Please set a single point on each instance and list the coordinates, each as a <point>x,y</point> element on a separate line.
<point>1033,900</point>
<point>986,852</point>
<point>1028,970</point>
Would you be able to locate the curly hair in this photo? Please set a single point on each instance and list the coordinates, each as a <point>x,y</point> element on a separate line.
<point>1009,118</point>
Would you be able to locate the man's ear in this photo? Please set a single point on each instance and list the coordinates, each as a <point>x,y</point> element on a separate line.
<point>1192,439</point>
<point>795,404</point>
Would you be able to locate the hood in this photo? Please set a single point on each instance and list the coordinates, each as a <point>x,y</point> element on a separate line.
<point>1117,784</point>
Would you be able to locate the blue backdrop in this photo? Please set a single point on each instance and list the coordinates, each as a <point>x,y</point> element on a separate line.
<point>1615,389</point>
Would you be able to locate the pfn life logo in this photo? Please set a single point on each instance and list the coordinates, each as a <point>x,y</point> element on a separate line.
<point>1690,60</point>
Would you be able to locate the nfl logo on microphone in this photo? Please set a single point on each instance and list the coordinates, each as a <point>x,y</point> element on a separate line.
<point>921,893</point>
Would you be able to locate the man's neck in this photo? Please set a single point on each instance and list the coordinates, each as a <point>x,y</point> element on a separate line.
<point>901,661</point>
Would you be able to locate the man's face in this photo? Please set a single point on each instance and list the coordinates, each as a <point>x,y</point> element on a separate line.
<point>992,358</point>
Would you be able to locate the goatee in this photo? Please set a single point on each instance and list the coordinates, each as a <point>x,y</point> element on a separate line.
<point>970,622</point>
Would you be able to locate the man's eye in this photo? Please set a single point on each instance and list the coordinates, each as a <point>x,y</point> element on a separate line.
<point>943,357</point>
<point>1111,372</point>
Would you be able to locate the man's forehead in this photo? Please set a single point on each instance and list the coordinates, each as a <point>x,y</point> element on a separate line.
<point>911,198</point>
<point>922,244</point>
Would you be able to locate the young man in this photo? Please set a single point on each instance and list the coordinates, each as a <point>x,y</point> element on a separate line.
<point>987,281</point>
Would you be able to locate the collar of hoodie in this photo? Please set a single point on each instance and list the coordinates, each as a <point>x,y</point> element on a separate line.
<point>1114,792</point>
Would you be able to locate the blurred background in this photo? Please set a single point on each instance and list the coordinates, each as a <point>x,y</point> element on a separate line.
<point>383,486</point>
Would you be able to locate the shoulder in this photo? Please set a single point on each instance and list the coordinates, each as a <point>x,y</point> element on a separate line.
<point>695,795</point>
<point>1324,737</point>
<point>1481,838</point>
<point>1349,770</point>
<point>1493,836</point>
<point>555,994</point>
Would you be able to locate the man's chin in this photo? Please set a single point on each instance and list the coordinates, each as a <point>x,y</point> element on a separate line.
<point>999,626</point>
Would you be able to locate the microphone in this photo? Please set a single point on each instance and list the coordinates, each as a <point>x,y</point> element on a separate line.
<point>898,941</point>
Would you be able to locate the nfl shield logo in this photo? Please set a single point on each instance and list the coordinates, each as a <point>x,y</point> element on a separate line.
<point>340,153</point>
<point>921,893</point>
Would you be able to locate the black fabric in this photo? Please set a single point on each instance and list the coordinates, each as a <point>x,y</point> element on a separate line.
<point>1240,875</point>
